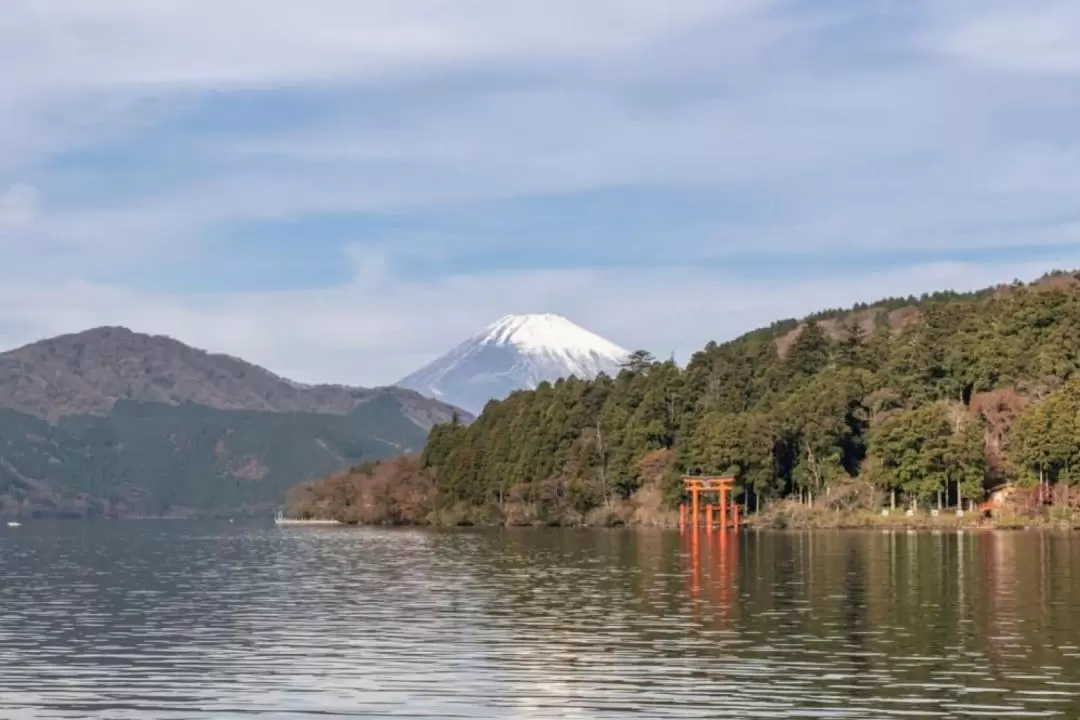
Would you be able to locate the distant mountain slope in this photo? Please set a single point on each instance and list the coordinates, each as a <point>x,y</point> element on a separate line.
<point>156,459</point>
<point>516,352</point>
<point>113,422</point>
<point>88,372</point>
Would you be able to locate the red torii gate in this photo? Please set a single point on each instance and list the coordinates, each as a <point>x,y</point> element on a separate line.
<point>722,486</point>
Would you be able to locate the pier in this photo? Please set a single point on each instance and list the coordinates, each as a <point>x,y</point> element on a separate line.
<point>280,519</point>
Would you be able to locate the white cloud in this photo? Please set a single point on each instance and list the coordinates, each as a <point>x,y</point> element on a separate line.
<point>834,142</point>
<point>18,209</point>
<point>1041,36</point>
<point>909,155</point>
<point>245,43</point>
<point>905,161</point>
<point>92,76</point>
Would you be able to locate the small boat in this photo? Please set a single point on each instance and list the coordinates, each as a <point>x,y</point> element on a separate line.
<point>280,519</point>
<point>12,523</point>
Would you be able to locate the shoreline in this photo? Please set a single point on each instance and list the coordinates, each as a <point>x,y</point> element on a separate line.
<point>766,522</point>
<point>1006,518</point>
<point>815,522</point>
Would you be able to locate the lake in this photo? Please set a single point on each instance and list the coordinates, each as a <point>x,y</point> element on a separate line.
<point>177,619</point>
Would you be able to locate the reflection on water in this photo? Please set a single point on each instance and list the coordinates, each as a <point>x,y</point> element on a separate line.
<point>160,620</point>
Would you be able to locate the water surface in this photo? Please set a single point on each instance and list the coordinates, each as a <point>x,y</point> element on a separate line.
<point>217,620</point>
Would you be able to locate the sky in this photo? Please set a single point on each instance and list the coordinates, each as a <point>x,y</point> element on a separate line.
<point>341,190</point>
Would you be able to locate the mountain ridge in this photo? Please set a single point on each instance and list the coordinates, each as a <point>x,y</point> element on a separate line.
<point>85,373</point>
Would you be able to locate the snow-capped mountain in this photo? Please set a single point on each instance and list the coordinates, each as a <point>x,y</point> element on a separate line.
<point>516,352</point>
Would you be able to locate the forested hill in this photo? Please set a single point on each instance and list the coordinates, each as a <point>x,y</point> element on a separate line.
<point>924,398</point>
<point>119,423</point>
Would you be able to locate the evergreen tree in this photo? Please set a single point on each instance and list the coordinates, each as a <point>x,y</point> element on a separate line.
<point>887,393</point>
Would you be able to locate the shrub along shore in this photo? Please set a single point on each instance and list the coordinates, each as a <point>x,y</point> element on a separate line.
<point>399,492</point>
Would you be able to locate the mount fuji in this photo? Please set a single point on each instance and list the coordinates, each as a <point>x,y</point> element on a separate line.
<point>516,352</point>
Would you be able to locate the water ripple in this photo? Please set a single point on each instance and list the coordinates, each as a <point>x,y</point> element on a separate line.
<point>171,620</point>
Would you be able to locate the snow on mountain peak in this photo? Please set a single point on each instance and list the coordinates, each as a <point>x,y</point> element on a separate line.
<point>540,333</point>
<point>513,353</point>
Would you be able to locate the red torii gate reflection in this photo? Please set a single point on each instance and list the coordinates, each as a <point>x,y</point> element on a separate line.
<point>727,516</point>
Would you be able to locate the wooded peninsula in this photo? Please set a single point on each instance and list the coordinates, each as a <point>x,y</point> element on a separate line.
<point>922,403</point>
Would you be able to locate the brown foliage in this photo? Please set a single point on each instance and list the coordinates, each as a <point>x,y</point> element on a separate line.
<point>655,466</point>
<point>999,408</point>
<point>903,317</point>
<point>392,492</point>
<point>851,496</point>
<point>836,328</point>
<point>785,341</point>
<point>1056,281</point>
<point>1066,496</point>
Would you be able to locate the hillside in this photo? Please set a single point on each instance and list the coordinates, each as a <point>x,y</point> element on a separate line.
<point>111,422</point>
<point>924,401</point>
<point>157,459</point>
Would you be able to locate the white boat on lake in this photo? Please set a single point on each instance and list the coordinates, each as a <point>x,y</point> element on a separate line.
<point>12,523</point>
<point>280,519</point>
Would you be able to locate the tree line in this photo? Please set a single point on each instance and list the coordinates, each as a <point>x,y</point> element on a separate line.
<point>929,401</point>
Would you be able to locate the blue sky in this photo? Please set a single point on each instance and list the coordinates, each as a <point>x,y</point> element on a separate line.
<point>342,189</point>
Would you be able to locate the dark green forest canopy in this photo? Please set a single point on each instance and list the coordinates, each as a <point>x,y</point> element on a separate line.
<point>158,459</point>
<point>933,398</point>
